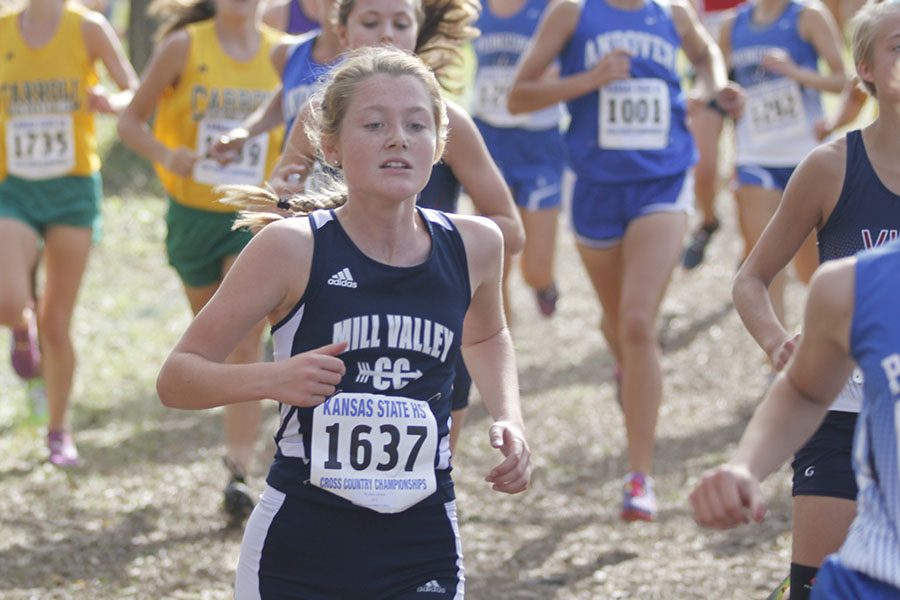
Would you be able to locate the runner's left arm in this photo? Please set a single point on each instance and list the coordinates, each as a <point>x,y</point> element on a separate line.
<point>706,57</point>
<point>817,26</point>
<point>489,356</point>
<point>103,44</point>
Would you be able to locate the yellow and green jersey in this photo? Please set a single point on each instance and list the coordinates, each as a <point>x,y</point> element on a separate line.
<point>214,94</point>
<point>46,129</point>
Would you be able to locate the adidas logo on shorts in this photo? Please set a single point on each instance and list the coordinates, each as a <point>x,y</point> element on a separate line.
<point>342,278</point>
<point>432,586</point>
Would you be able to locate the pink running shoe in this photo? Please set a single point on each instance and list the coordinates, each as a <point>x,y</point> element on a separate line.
<point>25,353</point>
<point>638,499</point>
<point>63,452</point>
<point>547,299</point>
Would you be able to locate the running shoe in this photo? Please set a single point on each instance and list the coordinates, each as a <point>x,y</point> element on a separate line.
<point>238,498</point>
<point>693,254</point>
<point>638,499</point>
<point>546,300</point>
<point>25,351</point>
<point>63,452</point>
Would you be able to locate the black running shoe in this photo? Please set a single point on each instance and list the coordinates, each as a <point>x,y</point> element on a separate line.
<point>693,254</point>
<point>238,499</point>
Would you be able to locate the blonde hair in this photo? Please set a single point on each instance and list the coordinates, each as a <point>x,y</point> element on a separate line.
<point>444,26</point>
<point>178,14</point>
<point>864,26</point>
<point>328,108</point>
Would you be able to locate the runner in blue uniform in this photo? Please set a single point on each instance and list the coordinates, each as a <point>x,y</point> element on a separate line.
<point>528,148</point>
<point>631,151</point>
<point>292,16</point>
<point>850,320</point>
<point>774,48</point>
<point>371,299</point>
<point>844,192</point>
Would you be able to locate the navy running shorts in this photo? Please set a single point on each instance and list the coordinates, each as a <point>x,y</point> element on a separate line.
<point>294,548</point>
<point>824,466</point>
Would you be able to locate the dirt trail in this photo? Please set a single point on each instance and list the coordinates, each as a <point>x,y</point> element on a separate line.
<point>141,518</point>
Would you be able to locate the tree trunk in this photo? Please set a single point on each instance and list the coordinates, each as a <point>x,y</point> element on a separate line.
<point>140,34</point>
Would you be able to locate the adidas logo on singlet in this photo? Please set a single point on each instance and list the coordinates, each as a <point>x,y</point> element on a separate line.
<point>342,278</point>
<point>432,586</point>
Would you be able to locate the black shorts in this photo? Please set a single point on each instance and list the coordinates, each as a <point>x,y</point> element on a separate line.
<point>824,466</point>
<point>297,549</point>
<point>462,385</point>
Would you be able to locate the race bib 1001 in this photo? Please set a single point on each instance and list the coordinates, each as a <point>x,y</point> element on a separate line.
<point>40,146</point>
<point>775,111</point>
<point>634,115</point>
<point>248,169</point>
<point>375,451</point>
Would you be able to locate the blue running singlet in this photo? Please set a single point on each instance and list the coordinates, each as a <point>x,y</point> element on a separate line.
<point>872,546</point>
<point>633,130</point>
<point>777,127</point>
<point>498,49</point>
<point>298,21</point>
<point>300,78</point>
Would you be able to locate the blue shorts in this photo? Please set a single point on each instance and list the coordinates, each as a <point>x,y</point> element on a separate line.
<point>294,548</point>
<point>601,212</point>
<point>824,465</point>
<point>834,581</point>
<point>768,178</point>
<point>531,162</point>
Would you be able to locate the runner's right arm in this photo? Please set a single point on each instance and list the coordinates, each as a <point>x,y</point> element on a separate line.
<point>267,279</point>
<point>163,72</point>
<point>532,91</point>
<point>792,410</point>
<point>811,194</point>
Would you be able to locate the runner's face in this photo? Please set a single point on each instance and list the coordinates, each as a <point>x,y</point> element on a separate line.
<point>388,137</point>
<point>237,8</point>
<point>885,69</point>
<point>381,22</point>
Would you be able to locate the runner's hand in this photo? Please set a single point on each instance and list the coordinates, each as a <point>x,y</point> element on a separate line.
<point>779,62</point>
<point>181,161</point>
<point>289,179</point>
<point>514,473</point>
<point>614,66</point>
<point>731,99</point>
<point>727,496</point>
<point>98,100</point>
<point>821,129</point>
<point>783,352</point>
<point>307,379</point>
<point>228,147</point>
